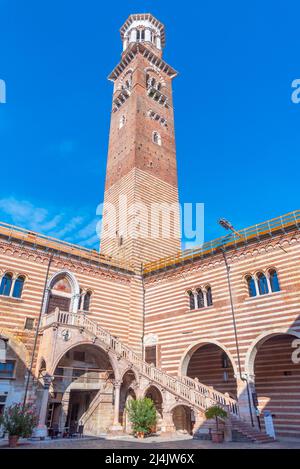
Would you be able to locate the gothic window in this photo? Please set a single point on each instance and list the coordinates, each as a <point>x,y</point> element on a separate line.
<point>200,298</point>
<point>251,286</point>
<point>6,284</point>
<point>156,138</point>
<point>122,121</point>
<point>192,299</point>
<point>18,286</point>
<point>87,301</point>
<point>262,284</point>
<point>209,296</point>
<point>274,282</point>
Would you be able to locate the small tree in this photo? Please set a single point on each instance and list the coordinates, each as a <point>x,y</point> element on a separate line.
<point>142,414</point>
<point>17,421</point>
<point>215,412</point>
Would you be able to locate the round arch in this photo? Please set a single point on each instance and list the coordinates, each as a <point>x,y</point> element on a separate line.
<point>188,353</point>
<point>113,360</point>
<point>256,343</point>
<point>126,370</point>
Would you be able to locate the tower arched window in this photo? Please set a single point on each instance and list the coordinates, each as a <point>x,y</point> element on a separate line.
<point>6,284</point>
<point>18,286</point>
<point>251,286</point>
<point>156,138</point>
<point>200,298</point>
<point>87,301</point>
<point>262,284</point>
<point>274,282</point>
<point>80,299</point>
<point>209,296</point>
<point>192,299</point>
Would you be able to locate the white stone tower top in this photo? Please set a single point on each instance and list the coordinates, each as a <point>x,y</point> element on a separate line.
<point>143,27</point>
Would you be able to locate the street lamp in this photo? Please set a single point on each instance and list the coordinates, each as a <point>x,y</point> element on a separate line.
<point>228,226</point>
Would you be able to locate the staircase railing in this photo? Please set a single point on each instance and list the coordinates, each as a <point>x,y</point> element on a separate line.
<point>197,394</point>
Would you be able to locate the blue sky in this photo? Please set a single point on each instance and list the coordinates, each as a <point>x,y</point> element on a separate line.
<point>237,130</point>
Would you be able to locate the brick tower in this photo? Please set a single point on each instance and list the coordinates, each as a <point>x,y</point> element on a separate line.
<point>141,165</point>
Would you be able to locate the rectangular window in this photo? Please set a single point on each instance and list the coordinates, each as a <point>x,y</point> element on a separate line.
<point>7,369</point>
<point>29,324</point>
<point>150,354</point>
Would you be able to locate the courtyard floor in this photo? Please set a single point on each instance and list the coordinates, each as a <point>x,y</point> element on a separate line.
<point>128,442</point>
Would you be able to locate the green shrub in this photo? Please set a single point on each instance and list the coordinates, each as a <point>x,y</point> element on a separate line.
<point>142,414</point>
<point>215,412</point>
<point>18,421</point>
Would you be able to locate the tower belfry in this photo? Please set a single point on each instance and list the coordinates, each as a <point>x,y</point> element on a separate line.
<point>141,164</point>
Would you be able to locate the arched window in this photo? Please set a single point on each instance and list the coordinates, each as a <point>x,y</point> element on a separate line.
<point>138,35</point>
<point>200,298</point>
<point>209,296</point>
<point>192,299</point>
<point>156,138</point>
<point>251,286</point>
<point>262,284</point>
<point>86,301</point>
<point>6,283</point>
<point>122,121</point>
<point>274,282</point>
<point>80,299</point>
<point>18,287</point>
<point>224,360</point>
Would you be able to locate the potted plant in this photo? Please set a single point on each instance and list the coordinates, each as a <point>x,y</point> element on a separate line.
<point>142,415</point>
<point>216,412</point>
<point>18,422</point>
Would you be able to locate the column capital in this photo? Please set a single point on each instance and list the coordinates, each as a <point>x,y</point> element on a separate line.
<point>117,383</point>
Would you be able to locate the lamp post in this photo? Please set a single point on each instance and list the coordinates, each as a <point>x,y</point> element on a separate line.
<point>228,226</point>
<point>29,371</point>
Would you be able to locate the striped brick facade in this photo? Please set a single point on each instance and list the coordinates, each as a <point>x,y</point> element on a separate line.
<point>240,348</point>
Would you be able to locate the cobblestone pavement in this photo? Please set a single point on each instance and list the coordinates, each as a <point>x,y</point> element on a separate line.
<point>150,443</point>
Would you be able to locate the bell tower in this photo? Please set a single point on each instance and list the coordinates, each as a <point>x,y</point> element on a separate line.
<point>141,175</point>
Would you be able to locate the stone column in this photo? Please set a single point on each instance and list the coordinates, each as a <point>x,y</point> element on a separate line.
<point>167,424</point>
<point>244,398</point>
<point>116,426</point>
<point>41,430</point>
